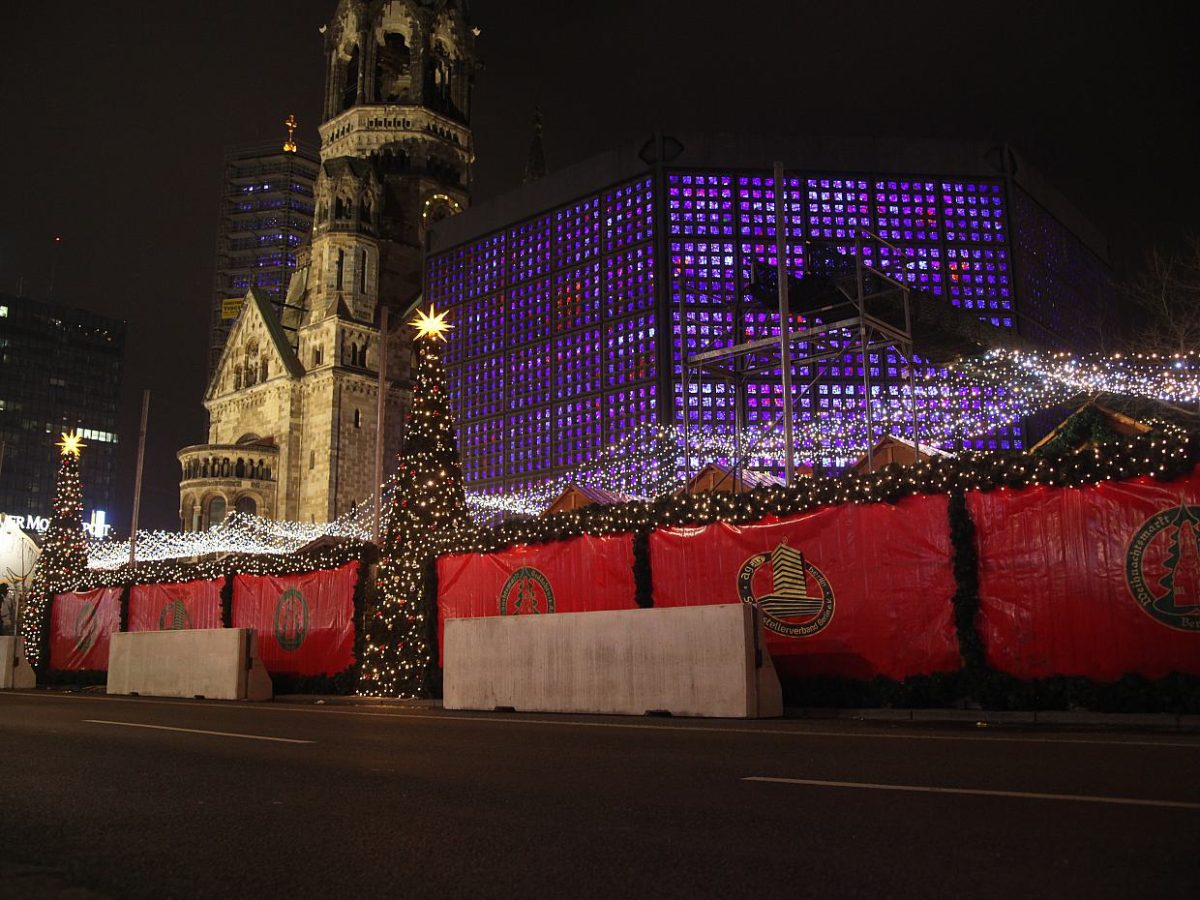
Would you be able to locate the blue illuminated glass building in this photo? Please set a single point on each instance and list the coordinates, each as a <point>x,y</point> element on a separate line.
<point>567,294</point>
<point>266,213</point>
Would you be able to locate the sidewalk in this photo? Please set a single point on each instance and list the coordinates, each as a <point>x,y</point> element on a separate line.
<point>979,717</point>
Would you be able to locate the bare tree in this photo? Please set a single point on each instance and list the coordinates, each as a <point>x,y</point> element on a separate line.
<point>1166,297</point>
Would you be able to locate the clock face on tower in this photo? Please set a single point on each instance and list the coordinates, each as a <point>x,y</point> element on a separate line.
<point>438,207</point>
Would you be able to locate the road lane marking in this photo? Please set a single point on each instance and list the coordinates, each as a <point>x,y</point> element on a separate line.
<point>506,719</point>
<point>977,792</point>
<point>249,737</point>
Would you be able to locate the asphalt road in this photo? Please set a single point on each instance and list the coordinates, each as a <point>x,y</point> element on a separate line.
<point>147,798</point>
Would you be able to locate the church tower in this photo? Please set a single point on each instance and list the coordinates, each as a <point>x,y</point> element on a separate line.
<point>396,154</point>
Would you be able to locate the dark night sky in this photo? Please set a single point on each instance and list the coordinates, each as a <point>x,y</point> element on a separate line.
<point>115,115</point>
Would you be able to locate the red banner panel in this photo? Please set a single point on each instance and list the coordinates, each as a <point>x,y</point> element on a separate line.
<point>584,574</point>
<point>80,625</point>
<point>173,607</point>
<point>304,623</point>
<point>1099,581</point>
<point>852,591</point>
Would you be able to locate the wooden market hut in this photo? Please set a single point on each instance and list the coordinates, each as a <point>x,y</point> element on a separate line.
<point>895,450</point>
<point>577,496</point>
<point>1088,426</point>
<point>715,477</point>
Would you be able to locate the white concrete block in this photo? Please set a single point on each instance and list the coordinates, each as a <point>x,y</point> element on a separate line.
<point>15,671</point>
<point>688,661</point>
<point>216,663</point>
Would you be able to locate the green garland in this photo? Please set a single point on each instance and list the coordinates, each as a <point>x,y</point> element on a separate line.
<point>1162,456</point>
<point>1086,425</point>
<point>226,569</point>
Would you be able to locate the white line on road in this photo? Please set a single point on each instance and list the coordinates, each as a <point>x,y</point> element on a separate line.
<point>566,722</point>
<point>249,737</point>
<point>977,792</point>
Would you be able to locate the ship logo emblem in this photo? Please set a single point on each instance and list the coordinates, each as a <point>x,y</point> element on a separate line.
<point>1162,567</point>
<point>526,592</point>
<point>291,620</point>
<point>174,617</point>
<point>793,594</point>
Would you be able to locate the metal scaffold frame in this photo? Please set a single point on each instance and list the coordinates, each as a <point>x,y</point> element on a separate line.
<point>844,325</point>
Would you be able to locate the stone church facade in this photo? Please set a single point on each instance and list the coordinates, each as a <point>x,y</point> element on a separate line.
<point>292,402</point>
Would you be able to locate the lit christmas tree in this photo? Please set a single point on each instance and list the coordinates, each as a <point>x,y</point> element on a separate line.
<point>64,555</point>
<point>428,509</point>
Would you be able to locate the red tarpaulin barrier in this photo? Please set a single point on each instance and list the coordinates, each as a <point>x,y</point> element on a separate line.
<point>304,623</point>
<point>584,574</point>
<point>854,591</point>
<point>1099,581</point>
<point>80,625</point>
<point>171,607</point>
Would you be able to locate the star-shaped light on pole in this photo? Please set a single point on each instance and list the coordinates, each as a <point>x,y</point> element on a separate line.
<point>71,444</point>
<point>431,324</point>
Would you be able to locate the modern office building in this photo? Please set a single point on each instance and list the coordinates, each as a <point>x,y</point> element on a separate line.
<point>574,296</point>
<point>60,370</point>
<point>266,213</point>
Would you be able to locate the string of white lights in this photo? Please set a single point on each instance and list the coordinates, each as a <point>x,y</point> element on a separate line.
<point>977,396</point>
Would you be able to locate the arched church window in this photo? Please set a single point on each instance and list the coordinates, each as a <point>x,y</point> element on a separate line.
<point>264,367</point>
<point>350,80</point>
<point>216,511</point>
<point>237,378</point>
<point>239,470</point>
<point>392,68</point>
<point>312,459</point>
<point>358,418</point>
<point>246,505</point>
<point>353,354</point>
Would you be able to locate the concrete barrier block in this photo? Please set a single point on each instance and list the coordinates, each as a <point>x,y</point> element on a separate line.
<point>687,661</point>
<point>216,663</point>
<point>15,671</point>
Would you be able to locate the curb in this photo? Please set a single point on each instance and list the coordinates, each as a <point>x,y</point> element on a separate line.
<point>355,700</point>
<point>983,717</point>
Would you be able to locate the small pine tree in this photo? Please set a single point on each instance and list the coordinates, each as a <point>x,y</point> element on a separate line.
<point>428,506</point>
<point>64,554</point>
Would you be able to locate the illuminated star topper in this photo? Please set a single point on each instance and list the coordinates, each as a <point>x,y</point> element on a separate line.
<point>431,324</point>
<point>71,444</point>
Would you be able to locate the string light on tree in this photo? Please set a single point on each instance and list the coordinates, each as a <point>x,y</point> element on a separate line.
<point>63,561</point>
<point>428,515</point>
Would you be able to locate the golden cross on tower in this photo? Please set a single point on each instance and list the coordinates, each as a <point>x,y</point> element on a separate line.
<point>71,444</point>
<point>289,146</point>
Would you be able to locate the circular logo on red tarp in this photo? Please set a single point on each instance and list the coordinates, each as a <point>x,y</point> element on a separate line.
<point>1162,567</point>
<point>85,627</point>
<point>174,617</point>
<point>526,592</point>
<point>793,594</point>
<point>291,620</point>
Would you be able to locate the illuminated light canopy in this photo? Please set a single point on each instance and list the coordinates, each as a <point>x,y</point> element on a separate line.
<point>978,395</point>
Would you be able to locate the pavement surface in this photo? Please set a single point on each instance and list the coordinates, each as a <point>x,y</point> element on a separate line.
<point>135,797</point>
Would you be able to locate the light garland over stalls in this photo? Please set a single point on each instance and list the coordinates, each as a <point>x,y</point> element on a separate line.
<point>1003,387</point>
<point>1168,379</point>
<point>239,533</point>
<point>1168,456</point>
